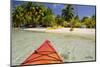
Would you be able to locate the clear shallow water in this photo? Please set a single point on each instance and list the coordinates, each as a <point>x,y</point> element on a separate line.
<point>72,47</point>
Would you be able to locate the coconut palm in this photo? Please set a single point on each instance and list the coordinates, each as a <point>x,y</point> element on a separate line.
<point>33,13</point>
<point>68,12</point>
<point>18,16</point>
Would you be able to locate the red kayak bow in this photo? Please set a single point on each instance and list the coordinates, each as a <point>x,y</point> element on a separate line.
<point>45,54</point>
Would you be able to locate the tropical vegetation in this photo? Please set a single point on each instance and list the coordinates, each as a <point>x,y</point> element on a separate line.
<point>38,15</point>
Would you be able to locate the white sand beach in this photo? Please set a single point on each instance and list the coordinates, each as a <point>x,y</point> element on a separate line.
<point>64,30</point>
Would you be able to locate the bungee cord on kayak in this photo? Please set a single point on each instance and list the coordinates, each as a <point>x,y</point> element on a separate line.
<point>45,54</point>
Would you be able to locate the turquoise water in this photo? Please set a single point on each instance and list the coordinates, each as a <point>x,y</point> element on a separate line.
<point>72,47</point>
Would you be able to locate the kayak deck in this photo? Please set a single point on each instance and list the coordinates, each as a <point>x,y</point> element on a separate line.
<point>45,54</point>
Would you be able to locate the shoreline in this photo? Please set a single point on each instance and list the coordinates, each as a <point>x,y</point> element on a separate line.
<point>63,30</point>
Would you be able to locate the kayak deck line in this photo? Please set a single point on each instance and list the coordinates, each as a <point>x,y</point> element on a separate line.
<point>45,54</point>
<point>54,59</point>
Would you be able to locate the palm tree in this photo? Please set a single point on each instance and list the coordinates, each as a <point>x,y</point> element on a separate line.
<point>77,17</point>
<point>34,13</point>
<point>40,13</point>
<point>18,16</point>
<point>48,18</point>
<point>31,14</point>
<point>68,13</point>
<point>89,22</point>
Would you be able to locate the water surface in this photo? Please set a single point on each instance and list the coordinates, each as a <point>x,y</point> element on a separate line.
<point>72,47</point>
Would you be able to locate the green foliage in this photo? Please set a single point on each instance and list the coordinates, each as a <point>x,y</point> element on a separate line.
<point>73,22</point>
<point>48,11</point>
<point>65,24</point>
<point>60,21</point>
<point>84,19</point>
<point>48,21</point>
<point>68,12</point>
<point>89,22</point>
<point>36,14</point>
<point>28,13</point>
<point>18,16</point>
<point>78,24</point>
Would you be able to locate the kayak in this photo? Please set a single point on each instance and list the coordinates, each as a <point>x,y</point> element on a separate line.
<point>45,54</point>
